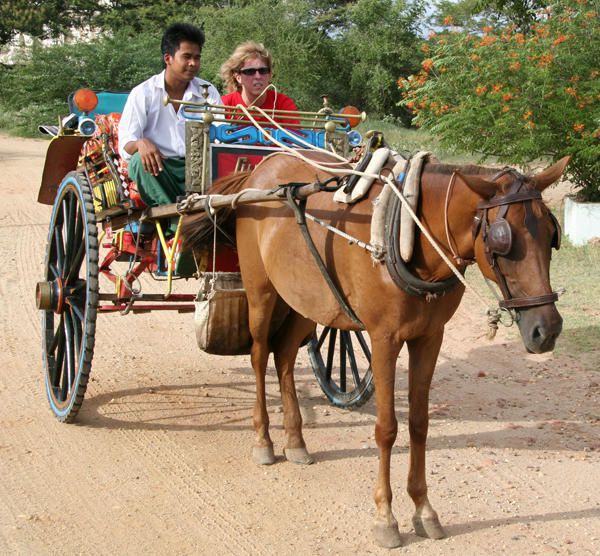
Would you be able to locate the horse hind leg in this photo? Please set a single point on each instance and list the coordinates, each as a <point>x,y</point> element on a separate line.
<point>423,354</point>
<point>260,313</point>
<point>285,349</point>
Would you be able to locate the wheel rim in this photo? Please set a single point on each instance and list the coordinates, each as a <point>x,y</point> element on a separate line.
<point>68,297</point>
<point>341,361</point>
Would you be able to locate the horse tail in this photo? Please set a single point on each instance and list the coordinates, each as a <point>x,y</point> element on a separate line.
<point>197,229</point>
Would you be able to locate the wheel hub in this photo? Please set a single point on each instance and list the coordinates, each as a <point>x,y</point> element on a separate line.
<point>49,296</point>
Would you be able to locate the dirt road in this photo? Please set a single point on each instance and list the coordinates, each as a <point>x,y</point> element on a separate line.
<point>159,461</point>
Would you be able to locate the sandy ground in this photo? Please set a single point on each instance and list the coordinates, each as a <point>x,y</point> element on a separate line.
<point>159,460</point>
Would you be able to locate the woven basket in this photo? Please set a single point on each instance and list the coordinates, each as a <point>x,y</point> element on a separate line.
<point>221,316</point>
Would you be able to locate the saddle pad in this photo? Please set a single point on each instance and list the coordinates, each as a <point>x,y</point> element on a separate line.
<point>378,160</point>
<point>410,190</point>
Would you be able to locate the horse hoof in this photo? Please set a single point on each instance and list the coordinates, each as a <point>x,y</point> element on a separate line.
<point>263,455</point>
<point>386,535</point>
<point>428,527</point>
<point>298,455</point>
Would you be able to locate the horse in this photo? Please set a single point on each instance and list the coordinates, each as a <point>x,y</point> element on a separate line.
<point>496,219</point>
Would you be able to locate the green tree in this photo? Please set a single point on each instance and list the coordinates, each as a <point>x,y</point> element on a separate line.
<point>380,42</point>
<point>44,18</point>
<point>469,14</point>
<point>516,96</point>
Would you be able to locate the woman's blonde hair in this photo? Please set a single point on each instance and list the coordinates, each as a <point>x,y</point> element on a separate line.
<point>245,51</point>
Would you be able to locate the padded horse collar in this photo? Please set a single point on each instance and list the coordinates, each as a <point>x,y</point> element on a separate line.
<point>497,236</point>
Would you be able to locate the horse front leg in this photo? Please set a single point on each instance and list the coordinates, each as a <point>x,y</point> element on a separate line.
<point>384,355</point>
<point>285,349</point>
<point>423,353</point>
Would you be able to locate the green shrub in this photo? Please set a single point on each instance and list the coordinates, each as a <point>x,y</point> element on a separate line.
<point>36,89</point>
<point>518,97</point>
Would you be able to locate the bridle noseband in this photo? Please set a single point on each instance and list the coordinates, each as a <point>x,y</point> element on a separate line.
<point>497,236</point>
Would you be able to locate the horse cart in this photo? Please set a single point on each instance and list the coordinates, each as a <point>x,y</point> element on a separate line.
<point>102,239</point>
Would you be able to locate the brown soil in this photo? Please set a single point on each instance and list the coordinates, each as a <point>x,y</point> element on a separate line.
<point>159,460</point>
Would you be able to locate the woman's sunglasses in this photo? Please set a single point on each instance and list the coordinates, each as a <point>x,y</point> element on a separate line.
<point>253,71</point>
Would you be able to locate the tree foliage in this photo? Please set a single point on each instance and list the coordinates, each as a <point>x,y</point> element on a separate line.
<point>517,96</point>
<point>351,50</point>
<point>44,18</point>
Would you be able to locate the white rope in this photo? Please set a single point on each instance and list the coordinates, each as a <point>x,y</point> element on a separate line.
<point>492,313</point>
<point>434,244</point>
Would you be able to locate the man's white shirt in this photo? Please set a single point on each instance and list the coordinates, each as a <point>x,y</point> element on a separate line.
<point>146,117</point>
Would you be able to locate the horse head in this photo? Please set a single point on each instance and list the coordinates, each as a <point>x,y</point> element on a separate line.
<point>514,234</point>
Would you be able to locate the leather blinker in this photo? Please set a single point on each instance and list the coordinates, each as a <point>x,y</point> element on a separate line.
<point>499,237</point>
<point>557,236</point>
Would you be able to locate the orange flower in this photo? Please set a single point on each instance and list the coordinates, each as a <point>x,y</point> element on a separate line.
<point>427,64</point>
<point>596,134</point>
<point>475,57</point>
<point>488,29</point>
<point>594,74</point>
<point>520,38</point>
<point>425,48</point>
<point>505,108</point>
<point>448,20</point>
<point>591,14</point>
<point>515,66</point>
<point>487,41</point>
<point>578,127</point>
<point>507,96</point>
<point>571,91</point>
<point>496,88</point>
<point>527,115</point>
<point>574,78</point>
<point>480,90</point>
<point>559,39</point>
<point>529,125</point>
<point>545,59</point>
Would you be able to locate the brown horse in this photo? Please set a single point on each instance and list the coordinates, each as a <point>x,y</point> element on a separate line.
<point>514,233</point>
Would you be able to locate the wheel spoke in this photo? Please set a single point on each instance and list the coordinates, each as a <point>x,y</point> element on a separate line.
<point>55,354</point>
<point>352,358</point>
<point>78,308</point>
<point>60,357</point>
<point>77,334</point>
<point>330,353</point>
<point>322,337</point>
<point>363,344</point>
<point>343,344</point>
<point>70,243</point>
<point>59,249</point>
<point>69,370</point>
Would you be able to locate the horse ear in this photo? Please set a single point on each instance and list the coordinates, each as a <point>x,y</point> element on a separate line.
<point>551,174</point>
<point>484,188</point>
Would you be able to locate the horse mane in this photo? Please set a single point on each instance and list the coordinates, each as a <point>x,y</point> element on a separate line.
<point>197,229</point>
<point>466,169</point>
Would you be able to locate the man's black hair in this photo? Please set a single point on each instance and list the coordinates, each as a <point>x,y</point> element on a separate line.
<point>178,32</point>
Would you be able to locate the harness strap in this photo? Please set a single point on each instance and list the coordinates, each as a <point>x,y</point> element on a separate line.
<point>517,302</point>
<point>299,208</point>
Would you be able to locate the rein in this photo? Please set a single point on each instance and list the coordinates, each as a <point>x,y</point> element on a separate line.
<point>497,237</point>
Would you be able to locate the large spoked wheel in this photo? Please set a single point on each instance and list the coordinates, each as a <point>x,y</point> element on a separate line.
<point>341,361</point>
<point>68,296</point>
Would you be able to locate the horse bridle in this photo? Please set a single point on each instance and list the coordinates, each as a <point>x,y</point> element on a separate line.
<point>497,236</point>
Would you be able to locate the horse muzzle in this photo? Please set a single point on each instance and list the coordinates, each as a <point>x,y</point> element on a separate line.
<point>540,327</point>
